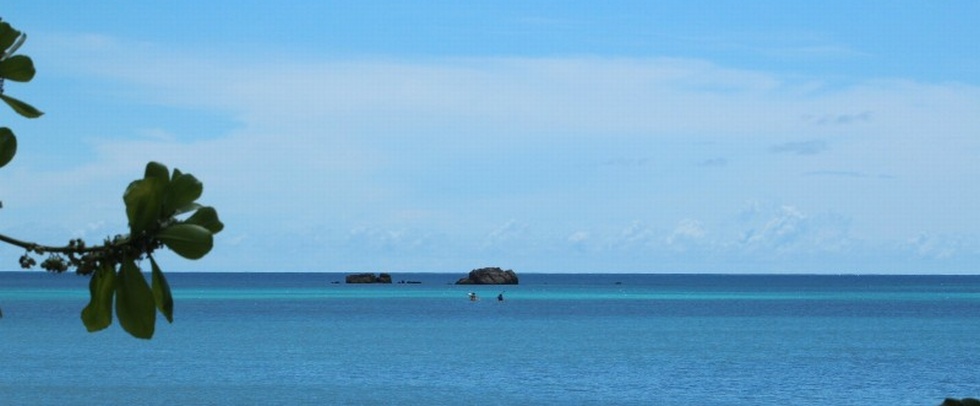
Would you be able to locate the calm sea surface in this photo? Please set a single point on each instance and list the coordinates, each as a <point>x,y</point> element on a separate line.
<point>556,340</point>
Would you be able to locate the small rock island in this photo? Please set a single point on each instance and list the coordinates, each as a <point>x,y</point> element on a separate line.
<point>489,276</point>
<point>368,278</point>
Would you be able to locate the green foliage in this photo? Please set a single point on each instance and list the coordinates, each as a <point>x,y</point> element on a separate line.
<point>153,205</point>
<point>184,190</point>
<point>190,241</point>
<point>143,200</point>
<point>153,222</point>
<point>8,146</point>
<point>155,170</point>
<point>135,306</point>
<point>206,217</point>
<point>18,68</point>
<point>98,314</point>
<point>161,292</point>
<point>21,108</point>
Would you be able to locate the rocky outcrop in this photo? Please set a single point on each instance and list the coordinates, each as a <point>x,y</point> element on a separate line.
<point>368,278</point>
<point>960,402</point>
<point>489,276</point>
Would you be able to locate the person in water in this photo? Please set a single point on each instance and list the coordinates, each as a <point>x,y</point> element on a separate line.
<point>500,297</point>
<point>473,297</point>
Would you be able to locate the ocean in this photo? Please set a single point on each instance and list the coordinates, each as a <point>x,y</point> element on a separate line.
<point>591,339</point>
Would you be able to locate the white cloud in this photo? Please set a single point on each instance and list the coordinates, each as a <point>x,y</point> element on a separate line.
<point>788,230</point>
<point>943,247</point>
<point>578,237</point>
<point>688,232</point>
<point>506,234</point>
<point>635,236</point>
<point>353,144</point>
<point>778,231</point>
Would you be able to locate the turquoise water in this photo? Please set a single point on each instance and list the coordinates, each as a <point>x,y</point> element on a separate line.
<point>556,339</point>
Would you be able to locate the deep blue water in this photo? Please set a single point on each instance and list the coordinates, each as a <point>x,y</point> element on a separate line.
<point>556,339</point>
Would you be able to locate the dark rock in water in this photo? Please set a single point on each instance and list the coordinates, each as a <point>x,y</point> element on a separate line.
<point>368,278</point>
<point>361,278</point>
<point>961,402</point>
<point>489,276</point>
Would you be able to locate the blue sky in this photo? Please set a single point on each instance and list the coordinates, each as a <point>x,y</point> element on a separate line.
<point>767,136</point>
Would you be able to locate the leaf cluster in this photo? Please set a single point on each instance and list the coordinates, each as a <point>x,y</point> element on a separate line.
<point>163,211</point>
<point>17,68</point>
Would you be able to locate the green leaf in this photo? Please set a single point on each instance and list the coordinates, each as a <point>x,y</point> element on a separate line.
<point>98,314</point>
<point>134,302</point>
<point>7,36</point>
<point>143,200</point>
<point>18,68</point>
<point>206,217</point>
<point>184,190</point>
<point>21,108</point>
<point>157,170</point>
<point>8,146</point>
<point>161,292</point>
<point>190,241</point>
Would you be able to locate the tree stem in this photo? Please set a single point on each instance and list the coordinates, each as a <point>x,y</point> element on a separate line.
<point>30,246</point>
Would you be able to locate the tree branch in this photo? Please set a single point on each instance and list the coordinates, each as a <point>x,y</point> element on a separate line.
<point>30,246</point>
